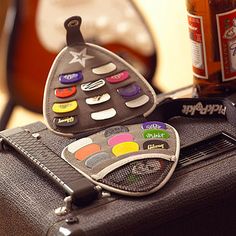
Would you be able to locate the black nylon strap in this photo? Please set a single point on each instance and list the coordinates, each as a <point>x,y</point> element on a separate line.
<point>195,108</point>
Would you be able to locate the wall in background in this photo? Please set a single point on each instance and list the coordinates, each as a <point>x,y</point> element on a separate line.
<point>168,22</point>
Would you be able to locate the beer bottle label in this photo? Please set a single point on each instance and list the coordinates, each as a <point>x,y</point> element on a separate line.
<point>198,47</point>
<point>226,24</point>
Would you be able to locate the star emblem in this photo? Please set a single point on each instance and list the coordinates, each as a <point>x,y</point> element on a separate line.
<point>80,57</point>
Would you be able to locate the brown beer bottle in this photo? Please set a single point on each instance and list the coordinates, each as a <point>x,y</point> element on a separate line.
<point>212,29</point>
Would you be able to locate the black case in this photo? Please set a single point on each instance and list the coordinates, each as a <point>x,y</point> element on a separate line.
<point>199,199</point>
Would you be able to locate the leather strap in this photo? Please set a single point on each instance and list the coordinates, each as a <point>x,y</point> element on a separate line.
<point>81,190</point>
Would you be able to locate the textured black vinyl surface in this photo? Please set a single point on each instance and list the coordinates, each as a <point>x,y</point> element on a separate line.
<point>197,199</point>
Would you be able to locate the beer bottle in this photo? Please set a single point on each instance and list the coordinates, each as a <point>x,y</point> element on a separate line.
<point>212,29</point>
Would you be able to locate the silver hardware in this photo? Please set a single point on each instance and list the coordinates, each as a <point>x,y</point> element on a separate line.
<point>73,23</point>
<point>105,194</point>
<point>64,210</point>
<point>72,220</point>
<point>27,130</point>
<point>36,135</point>
<point>102,194</point>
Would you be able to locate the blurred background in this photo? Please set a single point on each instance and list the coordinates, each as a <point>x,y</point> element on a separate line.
<point>150,34</point>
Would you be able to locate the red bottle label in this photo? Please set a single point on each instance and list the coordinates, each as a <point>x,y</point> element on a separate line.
<point>226,24</point>
<point>196,33</point>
